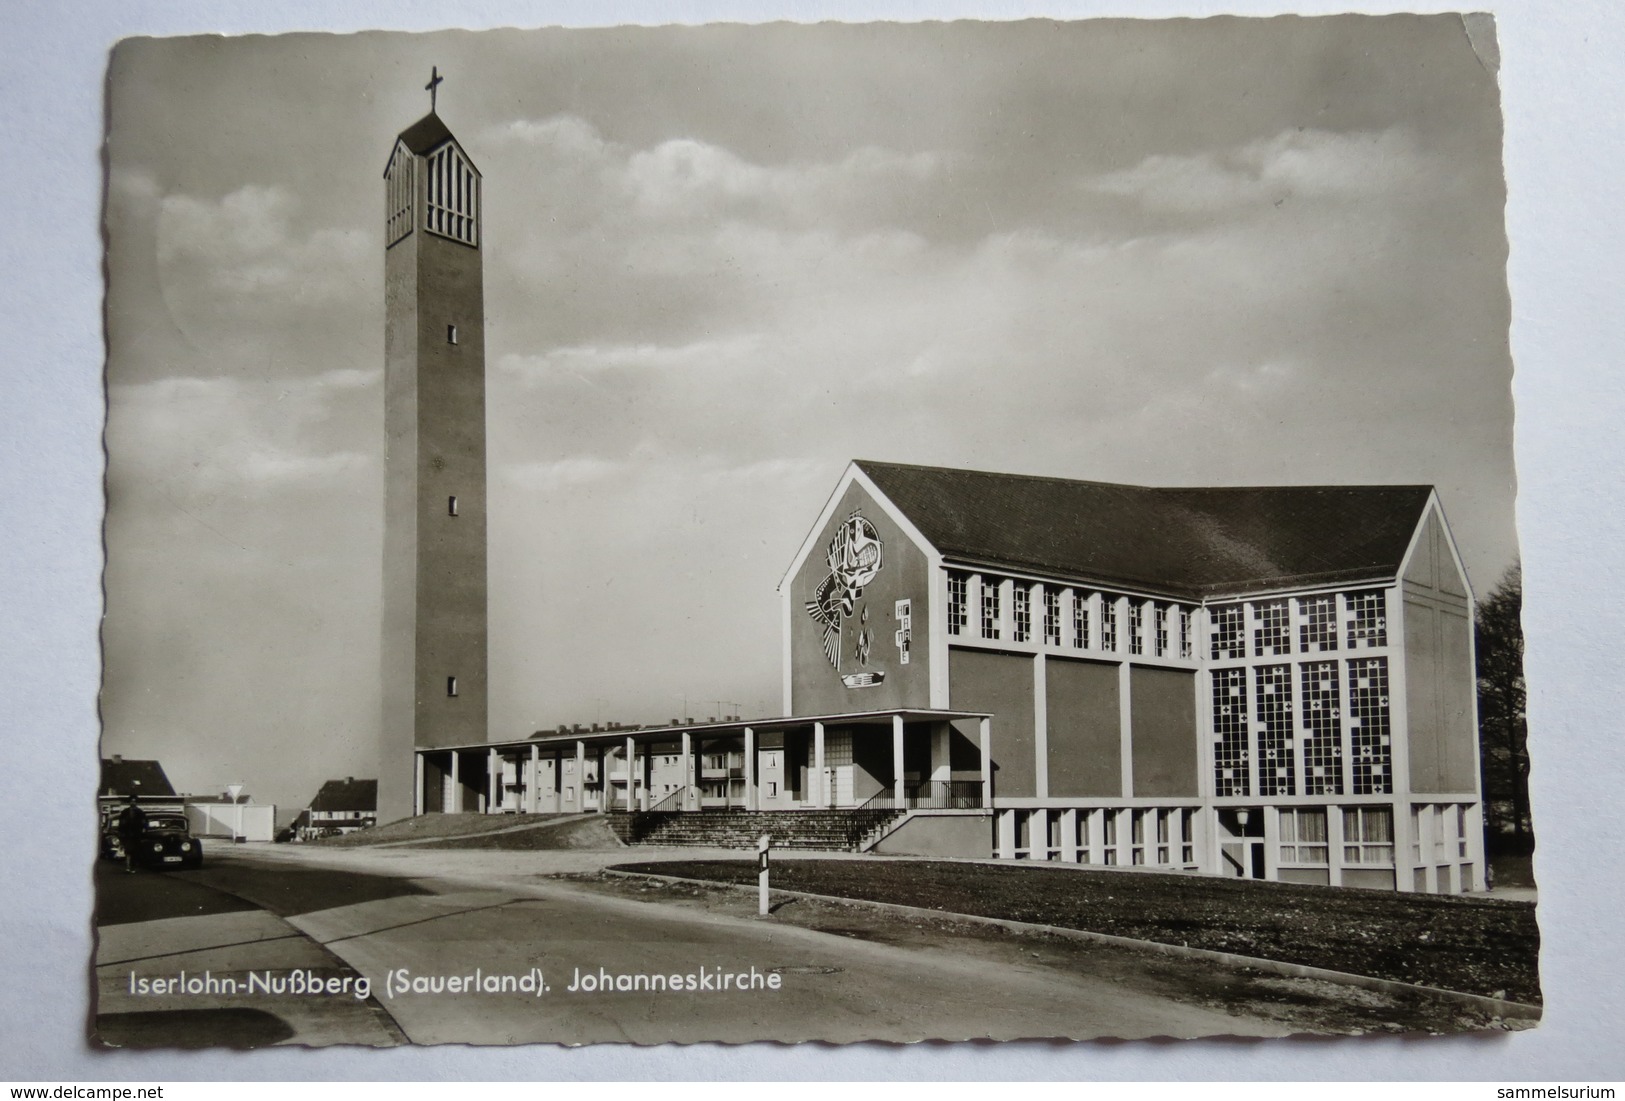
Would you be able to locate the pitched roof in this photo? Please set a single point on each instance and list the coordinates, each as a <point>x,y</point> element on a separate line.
<point>425,134</point>
<point>122,777</point>
<point>1190,542</point>
<point>347,794</point>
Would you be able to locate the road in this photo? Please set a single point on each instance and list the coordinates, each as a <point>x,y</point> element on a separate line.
<point>435,915</point>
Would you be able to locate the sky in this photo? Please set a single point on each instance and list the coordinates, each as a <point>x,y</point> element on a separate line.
<point>721,262</point>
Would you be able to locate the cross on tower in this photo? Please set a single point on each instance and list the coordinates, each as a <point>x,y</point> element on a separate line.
<point>433,87</point>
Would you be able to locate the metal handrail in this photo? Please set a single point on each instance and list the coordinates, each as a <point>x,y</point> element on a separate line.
<point>661,806</point>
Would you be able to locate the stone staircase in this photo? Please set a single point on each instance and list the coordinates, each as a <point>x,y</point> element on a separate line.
<point>828,830</point>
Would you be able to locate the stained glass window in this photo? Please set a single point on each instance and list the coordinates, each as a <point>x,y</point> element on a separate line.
<point>1321,729</point>
<point>1230,741</point>
<point>1368,619</point>
<point>1273,636</point>
<point>1368,726</point>
<point>1229,631</point>
<point>1022,599</point>
<point>1318,633</point>
<point>1052,616</point>
<point>958,615</point>
<point>1108,622</point>
<point>1136,627</point>
<point>1273,725</point>
<point>1080,621</point>
<point>990,607</point>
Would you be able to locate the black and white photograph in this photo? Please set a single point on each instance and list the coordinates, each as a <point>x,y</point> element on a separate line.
<point>795,532</point>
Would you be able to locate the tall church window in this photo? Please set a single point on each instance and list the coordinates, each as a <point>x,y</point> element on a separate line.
<point>1052,616</point>
<point>1108,622</point>
<point>453,194</point>
<point>990,607</point>
<point>1368,619</point>
<point>1229,631</point>
<point>1136,627</point>
<point>1274,728</point>
<point>1322,729</point>
<point>1159,624</point>
<point>1273,636</point>
<point>1187,645</point>
<point>1368,726</point>
<point>1022,599</point>
<point>1080,621</point>
<point>958,617</point>
<point>1230,741</point>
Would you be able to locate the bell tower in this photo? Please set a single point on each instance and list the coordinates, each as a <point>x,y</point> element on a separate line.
<point>434,591</point>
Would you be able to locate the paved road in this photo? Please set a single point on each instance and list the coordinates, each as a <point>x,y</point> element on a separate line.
<point>438,915</point>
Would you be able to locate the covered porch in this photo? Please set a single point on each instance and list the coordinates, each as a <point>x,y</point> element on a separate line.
<point>903,759</point>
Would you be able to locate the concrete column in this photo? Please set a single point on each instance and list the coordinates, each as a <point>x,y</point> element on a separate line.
<point>532,794</point>
<point>493,770</point>
<point>1272,842</point>
<point>941,758</point>
<point>897,760</point>
<point>631,774</point>
<point>1475,846</point>
<point>1176,835</point>
<point>581,777</point>
<point>1452,848</point>
<point>1069,836</point>
<point>752,802</point>
<point>820,788</point>
<point>1006,820</point>
<point>1334,852</point>
<point>1094,824</point>
<point>985,737</point>
<point>1040,726</point>
<point>456,785</point>
<point>1125,715</point>
<point>417,784</point>
<point>690,796</point>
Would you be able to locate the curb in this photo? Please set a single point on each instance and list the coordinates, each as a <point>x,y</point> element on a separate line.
<point>1500,1007</point>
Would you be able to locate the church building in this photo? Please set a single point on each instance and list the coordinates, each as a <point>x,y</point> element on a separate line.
<point>1265,682</point>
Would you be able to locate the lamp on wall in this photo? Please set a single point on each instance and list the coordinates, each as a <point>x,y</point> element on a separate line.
<point>1242,816</point>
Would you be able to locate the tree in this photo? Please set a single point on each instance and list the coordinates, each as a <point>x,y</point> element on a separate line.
<point>1502,727</point>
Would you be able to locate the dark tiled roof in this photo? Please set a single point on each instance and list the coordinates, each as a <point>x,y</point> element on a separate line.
<point>121,777</point>
<point>346,795</point>
<point>1184,542</point>
<point>425,134</point>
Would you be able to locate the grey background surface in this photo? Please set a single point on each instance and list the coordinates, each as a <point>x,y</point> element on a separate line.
<point>1561,80</point>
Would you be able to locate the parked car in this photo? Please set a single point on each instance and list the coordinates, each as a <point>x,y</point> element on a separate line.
<point>167,841</point>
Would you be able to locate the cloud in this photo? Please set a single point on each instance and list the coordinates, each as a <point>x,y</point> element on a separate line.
<point>1295,164</point>
<point>253,241</point>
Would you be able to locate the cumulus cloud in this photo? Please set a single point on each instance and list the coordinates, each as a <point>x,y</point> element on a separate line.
<point>1302,164</point>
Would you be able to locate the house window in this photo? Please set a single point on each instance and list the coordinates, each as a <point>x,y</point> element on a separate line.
<point>1368,726</point>
<point>1022,599</point>
<point>1321,729</point>
<point>1273,636</point>
<point>772,788</point>
<point>990,607</point>
<point>451,686</point>
<point>1461,830</point>
<point>1052,617</point>
<point>1230,742</point>
<point>1229,631</point>
<point>1303,836</point>
<point>1163,821</point>
<point>1159,623</point>
<point>1136,627</point>
<point>451,506</point>
<point>1108,622</point>
<point>451,334</point>
<point>1274,728</point>
<point>1187,834</point>
<point>1368,835</point>
<point>1318,633</point>
<point>1368,619</point>
<point>1080,621</point>
<point>958,615</point>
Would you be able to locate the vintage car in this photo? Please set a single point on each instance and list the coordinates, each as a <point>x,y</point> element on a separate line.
<point>166,843</point>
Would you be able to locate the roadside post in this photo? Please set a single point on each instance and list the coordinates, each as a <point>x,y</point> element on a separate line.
<point>764,845</point>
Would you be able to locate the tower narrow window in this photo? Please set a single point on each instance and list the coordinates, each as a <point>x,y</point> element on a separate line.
<point>451,506</point>
<point>451,334</point>
<point>451,686</point>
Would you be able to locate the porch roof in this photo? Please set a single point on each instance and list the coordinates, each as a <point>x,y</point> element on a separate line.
<point>783,722</point>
